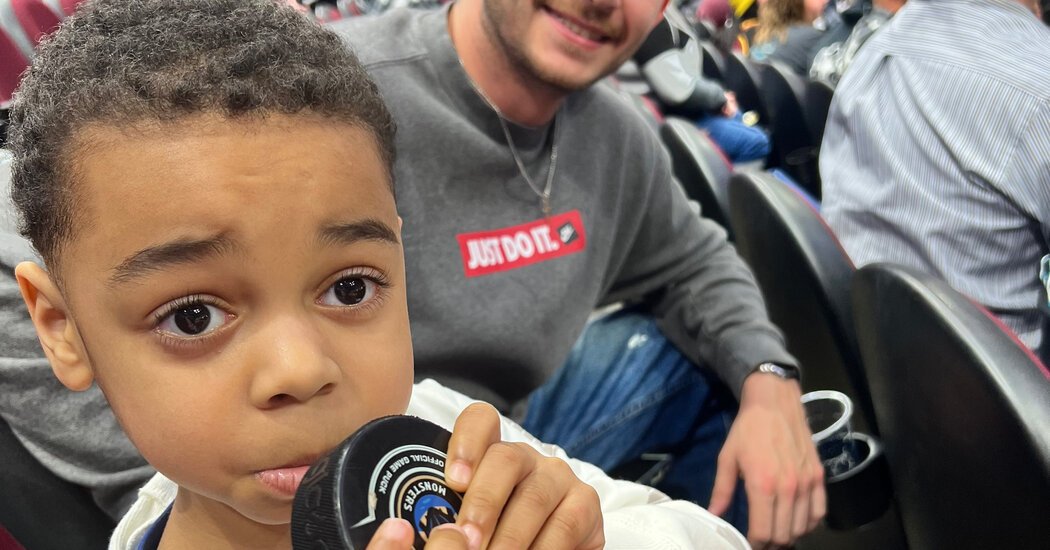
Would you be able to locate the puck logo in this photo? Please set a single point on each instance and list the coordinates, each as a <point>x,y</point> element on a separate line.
<point>488,252</point>
<point>409,483</point>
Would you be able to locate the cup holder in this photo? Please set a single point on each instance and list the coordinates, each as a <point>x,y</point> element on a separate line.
<point>863,493</point>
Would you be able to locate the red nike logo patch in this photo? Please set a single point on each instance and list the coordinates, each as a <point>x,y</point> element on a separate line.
<point>487,252</point>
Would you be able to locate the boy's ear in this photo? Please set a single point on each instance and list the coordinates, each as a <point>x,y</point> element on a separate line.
<point>54,326</point>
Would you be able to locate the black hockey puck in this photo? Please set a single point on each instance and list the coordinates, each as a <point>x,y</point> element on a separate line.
<point>391,467</point>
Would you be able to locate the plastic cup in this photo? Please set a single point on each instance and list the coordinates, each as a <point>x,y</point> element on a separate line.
<point>828,413</point>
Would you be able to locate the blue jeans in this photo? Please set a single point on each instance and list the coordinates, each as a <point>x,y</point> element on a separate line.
<point>740,142</point>
<point>625,390</point>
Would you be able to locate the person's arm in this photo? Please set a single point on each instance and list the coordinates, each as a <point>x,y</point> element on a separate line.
<point>669,60</point>
<point>709,305</point>
<point>632,515</point>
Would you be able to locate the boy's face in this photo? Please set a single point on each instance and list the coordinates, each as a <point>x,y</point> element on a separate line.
<point>237,290</point>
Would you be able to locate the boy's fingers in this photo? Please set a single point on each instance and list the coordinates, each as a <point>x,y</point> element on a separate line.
<point>532,502</point>
<point>393,534</point>
<point>577,519</point>
<point>476,429</point>
<point>447,537</point>
<point>504,467</point>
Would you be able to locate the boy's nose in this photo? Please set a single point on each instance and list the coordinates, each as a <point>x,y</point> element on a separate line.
<point>291,365</point>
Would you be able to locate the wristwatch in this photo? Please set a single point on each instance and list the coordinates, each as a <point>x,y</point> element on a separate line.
<point>783,371</point>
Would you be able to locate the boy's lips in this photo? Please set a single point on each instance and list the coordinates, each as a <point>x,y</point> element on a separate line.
<point>285,479</point>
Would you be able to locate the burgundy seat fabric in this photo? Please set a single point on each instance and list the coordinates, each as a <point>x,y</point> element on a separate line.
<point>7,542</point>
<point>12,63</point>
<point>36,18</point>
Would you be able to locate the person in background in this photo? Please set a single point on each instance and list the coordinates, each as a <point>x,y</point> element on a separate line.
<point>786,32</point>
<point>937,152</point>
<point>669,61</point>
<point>831,61</point>
<point>531,198</point>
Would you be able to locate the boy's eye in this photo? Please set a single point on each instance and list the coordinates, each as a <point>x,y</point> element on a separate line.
<point>193,319</point>
<point>349,291</point>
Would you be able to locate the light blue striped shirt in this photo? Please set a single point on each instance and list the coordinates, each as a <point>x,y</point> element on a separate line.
<point>937,152</point>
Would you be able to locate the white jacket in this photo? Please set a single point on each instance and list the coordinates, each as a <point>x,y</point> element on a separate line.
<point>636,517</point>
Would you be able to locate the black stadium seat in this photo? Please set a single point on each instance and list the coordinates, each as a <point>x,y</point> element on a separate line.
<point>713,62</point>
<point>815,107</point>
<point>794,143</point>
<point>964,413</point>
<point>700,167</point>
<point>805,276</point>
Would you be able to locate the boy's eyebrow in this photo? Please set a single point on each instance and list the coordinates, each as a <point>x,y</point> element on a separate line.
<point>364,230</point>
<point>156,258</point>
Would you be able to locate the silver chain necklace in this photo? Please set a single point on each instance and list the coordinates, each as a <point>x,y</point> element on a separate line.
<point>545,193</point>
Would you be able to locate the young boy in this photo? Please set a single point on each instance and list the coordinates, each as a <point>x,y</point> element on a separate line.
<point>208,183</point>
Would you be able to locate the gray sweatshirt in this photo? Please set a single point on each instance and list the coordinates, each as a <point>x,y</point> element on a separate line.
<point>497,293</point>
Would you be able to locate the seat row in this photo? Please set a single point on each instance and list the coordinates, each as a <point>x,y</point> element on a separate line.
<point>793,108</point>
<point>960,404</point>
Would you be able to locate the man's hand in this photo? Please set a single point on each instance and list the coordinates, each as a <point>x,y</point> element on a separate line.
<point>514,497</point>
<point>731,107</point>
<point>770,446</point>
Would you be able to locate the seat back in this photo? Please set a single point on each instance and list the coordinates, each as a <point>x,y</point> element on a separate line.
<point>742,76</point>
<point>56,7</point>
<point>12,64</point>
<point>700,167</point>
<point>805,276</point>
<point>42,511</point>
<point>794,145</point>
<point>712,61</point>
<point>815,106</point>
<point>36,18</point>
<point>964,411</point>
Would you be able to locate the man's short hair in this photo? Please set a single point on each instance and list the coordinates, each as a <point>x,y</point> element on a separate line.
<point>119,63</point>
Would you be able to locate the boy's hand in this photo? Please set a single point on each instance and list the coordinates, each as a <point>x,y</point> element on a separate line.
<point>514,497</point>
<point>397,534</point>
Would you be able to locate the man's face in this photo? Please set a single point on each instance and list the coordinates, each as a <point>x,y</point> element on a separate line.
<point>239,291</point>
<point>570,44</point>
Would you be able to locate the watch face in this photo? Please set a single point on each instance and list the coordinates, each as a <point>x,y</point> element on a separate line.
<point>393,467</point>
<point>789,373</point>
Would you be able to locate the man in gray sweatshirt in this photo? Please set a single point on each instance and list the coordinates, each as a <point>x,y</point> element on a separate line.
<point>531,197</point>
<point>518,225</point>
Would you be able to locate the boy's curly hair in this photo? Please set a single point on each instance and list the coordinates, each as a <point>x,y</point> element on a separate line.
<point>123,62</point>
